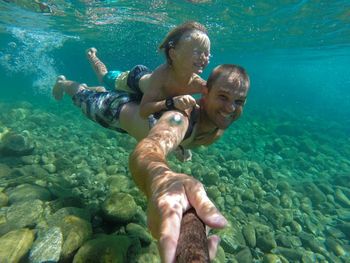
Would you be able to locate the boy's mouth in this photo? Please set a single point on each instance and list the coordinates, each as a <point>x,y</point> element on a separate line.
<point>199,65</point>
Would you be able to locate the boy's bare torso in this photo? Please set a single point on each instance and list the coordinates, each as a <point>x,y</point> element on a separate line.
<point>163,83</point>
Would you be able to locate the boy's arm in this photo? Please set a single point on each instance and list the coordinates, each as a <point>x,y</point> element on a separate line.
<point>148,104</point>
<point>198,85</point>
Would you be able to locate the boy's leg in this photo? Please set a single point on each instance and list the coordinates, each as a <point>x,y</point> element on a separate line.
<point>65,86</point>
<point>98,66</point>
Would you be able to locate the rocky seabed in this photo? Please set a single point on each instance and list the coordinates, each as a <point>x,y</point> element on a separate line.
<point>66,194</point>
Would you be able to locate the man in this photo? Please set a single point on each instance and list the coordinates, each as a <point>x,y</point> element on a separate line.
<point>169,194</point>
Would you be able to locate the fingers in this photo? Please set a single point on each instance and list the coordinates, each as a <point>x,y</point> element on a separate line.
<point>169,232</point>
<point>184,102</point>
<point>213,242</point>
<point>204,207</point>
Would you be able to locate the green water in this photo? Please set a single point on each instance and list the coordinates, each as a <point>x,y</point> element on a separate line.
<point>289,152</point>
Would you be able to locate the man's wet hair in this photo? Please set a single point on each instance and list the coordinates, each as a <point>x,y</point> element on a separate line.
<point>238,74</point>
<point>174,36</point>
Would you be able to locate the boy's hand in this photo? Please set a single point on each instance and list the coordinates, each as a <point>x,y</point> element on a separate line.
<point>184,102</point>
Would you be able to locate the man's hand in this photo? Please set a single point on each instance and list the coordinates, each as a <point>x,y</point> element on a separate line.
<point>184,102</point>
<point>172,195</point>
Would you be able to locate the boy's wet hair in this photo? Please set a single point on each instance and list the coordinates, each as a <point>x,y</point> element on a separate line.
<point>175,35</point>
<point>237,73</point>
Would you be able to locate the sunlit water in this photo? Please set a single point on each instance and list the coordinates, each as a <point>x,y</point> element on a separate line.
<point>297,54</point>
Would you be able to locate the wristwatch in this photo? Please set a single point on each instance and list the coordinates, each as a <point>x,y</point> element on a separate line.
<point>169,104</point>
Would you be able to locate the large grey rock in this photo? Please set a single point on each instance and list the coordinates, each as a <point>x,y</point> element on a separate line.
<point>15,244</point>
<point>249,235</point>
<point>106,248</point>
<point>75,232</point>
<point>13,144</point>
<point>23,214</point>
<point>60,214</point>
<point>119,207</point>
<point>5,170</point>
<point>3,199</point>
<point>27,192</point>
<point>47,247</point>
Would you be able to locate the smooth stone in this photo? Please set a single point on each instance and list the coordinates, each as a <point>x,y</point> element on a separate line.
<point>135,230</point>
<point>284,240</point>
<point>335,246</point>
<point>289,253</point>
<point>27,192</point>
<point>211,178</point>
<point>248,194</point>
<point>244,256</point>
<point>15,244</point>
<point>272,199</point>
<point>315,194</point>
<point>47,247</point>
<point>149,254</point>
<point>345,228</point>
<point>220,256</point>
<point>273,214</point>
<point>231,239</point>
<point>249,235</point>
<point>75,232</point>
<point>213,192</point>
<point>271,258</point>
<point>266,242</point>
<point>60,214</point>
<point>286,201</point>
<point>283,186</point>
<point>311,242</point>
<point>5,170</point>
<point>3,199</point>
<point>107,248</point>
<point>296,227</point>
<point>13,144</point>
<point>118,183</point>
<point>334,232</point>
<point>51,168</point>
<point>119,207</point>
<point>342,198</point>
<point>24,214</point>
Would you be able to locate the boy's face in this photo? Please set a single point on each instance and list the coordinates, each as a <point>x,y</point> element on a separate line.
<point>192,52</point>
<point>224,102</point>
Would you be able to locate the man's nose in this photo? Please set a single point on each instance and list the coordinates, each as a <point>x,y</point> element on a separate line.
<point>231,107</point>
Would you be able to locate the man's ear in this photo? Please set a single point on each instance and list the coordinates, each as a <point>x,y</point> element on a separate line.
<point>172,53</point>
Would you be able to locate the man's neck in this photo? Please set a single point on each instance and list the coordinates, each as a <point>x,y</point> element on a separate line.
<point>205,125</point>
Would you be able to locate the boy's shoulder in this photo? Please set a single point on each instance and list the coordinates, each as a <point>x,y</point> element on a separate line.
<point>161,73</point>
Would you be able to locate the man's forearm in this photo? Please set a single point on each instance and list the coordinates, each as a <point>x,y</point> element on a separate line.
<point>148,160</point>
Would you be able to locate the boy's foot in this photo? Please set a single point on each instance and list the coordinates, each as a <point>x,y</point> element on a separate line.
<point>91,53</point>
<point>97,65</point>
<point>58,89</point>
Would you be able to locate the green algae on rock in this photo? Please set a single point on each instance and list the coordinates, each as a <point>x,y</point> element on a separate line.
<point>119,207</point>
<point>15,244</point>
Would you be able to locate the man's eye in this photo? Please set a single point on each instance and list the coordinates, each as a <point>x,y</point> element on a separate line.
<point>239,102</point>
<point>222,97</point>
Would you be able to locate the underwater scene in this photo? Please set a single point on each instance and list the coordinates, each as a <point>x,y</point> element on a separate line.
<point>280,174</point>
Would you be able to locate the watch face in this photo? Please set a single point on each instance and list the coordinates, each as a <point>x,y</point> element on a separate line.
<point>169,103</point>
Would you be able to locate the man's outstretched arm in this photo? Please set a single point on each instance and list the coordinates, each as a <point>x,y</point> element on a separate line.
<point>169,194</point>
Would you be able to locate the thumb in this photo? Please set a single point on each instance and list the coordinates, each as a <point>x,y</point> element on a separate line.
<point>204,207</point>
